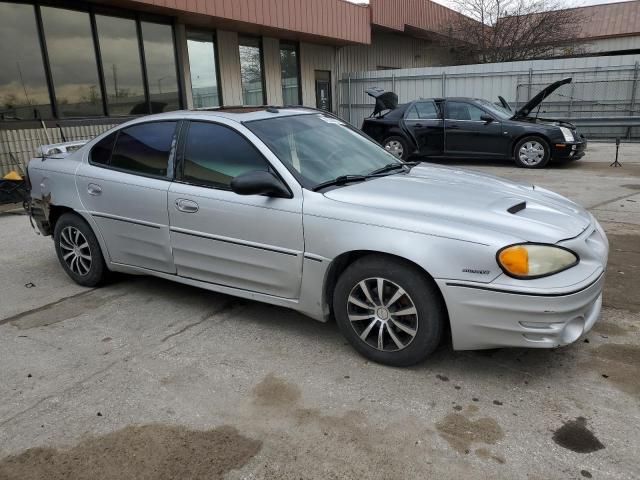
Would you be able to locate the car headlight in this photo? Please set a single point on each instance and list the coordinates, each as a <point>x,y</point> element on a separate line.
<point>532,260</point>
<point>568,134</point>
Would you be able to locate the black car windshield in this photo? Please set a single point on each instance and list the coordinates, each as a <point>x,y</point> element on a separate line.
<point>318,148</point>
<point>500,112</point>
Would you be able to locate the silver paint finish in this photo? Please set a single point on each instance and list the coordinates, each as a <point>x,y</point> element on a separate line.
<point>449,222</point>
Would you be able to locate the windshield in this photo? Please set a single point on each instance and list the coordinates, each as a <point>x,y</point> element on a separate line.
<point>496,110</point>
<point>318,148</point>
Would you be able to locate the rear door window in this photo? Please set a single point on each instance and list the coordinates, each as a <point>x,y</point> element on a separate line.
<point>214,154</point>
<point>144,149</point>
<point>101,151</point>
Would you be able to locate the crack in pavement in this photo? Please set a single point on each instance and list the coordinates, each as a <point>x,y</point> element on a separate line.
<point>20,315</point>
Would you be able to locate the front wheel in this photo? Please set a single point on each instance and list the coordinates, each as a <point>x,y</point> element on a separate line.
<point>397,146</point>
<point>532,152</point>
<point>78,250</point>
<point>389,310</point>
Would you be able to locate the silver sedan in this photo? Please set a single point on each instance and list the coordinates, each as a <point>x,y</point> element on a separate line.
<point>294,207</point>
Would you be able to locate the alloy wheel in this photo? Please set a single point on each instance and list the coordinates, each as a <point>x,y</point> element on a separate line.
<point>75,250</point>
<point>531,153</point>
<point>395,148</point>
<point>382,314</point>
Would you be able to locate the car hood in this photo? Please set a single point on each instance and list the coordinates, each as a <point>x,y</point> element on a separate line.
<point>539,97</point>
<point>478,203</point>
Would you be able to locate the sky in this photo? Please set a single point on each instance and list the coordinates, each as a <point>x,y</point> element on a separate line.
<point>570,3</point>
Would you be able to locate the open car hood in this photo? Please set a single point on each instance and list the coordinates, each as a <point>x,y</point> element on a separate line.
<point>384,100</point>
<point>539,98</point>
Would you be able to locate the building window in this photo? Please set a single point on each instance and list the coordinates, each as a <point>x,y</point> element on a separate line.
<point>160,60</point>
<point>24,94</point>
<point>77,63</point>
<point>121,64</point>
<point>290,67</point>
<point>72,57</point>
<point>203,65</point>
<point>251,71</point>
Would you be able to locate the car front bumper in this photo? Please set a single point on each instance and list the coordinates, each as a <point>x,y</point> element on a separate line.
<point>569,150</point>
<point>483,317</point>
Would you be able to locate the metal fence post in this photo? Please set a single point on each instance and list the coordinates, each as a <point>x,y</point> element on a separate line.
<point>530,84</point>
<point>573,90</point>
<point>393,83</point>
<point>444,84</point>
<point>349,96</point>
<point>632,101</point>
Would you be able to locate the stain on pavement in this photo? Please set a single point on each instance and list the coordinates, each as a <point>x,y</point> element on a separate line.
<point>575,436</point>
<point>461,432</point>
<point>151,451</point>
<point>64,309</point>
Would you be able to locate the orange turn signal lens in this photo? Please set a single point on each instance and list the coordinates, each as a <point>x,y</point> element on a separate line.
<point>515,260</point>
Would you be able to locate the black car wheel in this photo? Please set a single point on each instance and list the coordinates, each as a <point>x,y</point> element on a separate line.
<point>532,152</point>
<point>397,146</point>
<point>389,310</point>
<point>78,250</point>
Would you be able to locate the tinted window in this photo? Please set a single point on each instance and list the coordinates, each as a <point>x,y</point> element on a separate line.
<point>144,148</point>
<point>160,59</point>
<point>101,152</point>
<point>251,71</point>
<point>23,87</point>
<point>423,110</point>
<point>214,155</point>
<point>73,62</point>
<point>203,69</point>
<point>463,111</point>
<point>121,62</point>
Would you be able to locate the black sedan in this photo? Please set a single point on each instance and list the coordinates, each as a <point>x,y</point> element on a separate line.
<point>473,128</point>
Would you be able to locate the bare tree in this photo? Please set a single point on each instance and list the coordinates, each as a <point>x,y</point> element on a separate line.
<point>510,30</point>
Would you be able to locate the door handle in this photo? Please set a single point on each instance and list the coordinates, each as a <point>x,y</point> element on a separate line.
<point>418,125</point>
<point>186,206</point>
<point>453,127</point>
<point>93,189</point>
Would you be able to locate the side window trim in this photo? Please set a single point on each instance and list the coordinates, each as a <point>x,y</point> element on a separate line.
<point>115,134</point>
<point>179,176</point>
<point>108,166</point>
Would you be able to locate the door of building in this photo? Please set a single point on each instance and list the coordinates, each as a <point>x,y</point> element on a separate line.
<point>323,90</point>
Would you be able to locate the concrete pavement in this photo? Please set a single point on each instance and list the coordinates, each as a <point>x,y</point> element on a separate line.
<point>144,375</point>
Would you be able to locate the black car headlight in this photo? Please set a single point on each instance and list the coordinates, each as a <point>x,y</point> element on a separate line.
<point>535,260</point>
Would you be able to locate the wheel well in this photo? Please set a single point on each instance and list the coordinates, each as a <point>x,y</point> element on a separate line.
<point>55,212</point>
<point>341,262</point>
<point>517,139</point>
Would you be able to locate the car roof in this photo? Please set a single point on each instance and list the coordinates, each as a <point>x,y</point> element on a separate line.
<point>237,114</point>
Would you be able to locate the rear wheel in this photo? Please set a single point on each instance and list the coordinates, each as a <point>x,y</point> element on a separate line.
<point>78,250</point>
<point>397,146</point>
<point>389,310</point>
<point>532,152</point>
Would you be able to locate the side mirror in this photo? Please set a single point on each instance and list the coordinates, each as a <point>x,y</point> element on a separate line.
<point>259,182</point>
<point>486,118</point>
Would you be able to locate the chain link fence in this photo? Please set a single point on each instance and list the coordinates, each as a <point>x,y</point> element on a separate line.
<point>603,99</point>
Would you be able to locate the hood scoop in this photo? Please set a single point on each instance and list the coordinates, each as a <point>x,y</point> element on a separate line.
<point>518,207</point>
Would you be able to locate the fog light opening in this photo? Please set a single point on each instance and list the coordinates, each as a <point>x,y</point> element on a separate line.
<point>572,330</point>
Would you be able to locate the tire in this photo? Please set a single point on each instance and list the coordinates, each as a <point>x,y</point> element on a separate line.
<point>78,250</point>
<point>416,336</point>
<point>532,152</point>
<point>396,146</point>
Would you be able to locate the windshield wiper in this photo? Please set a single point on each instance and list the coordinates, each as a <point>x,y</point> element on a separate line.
<point>341,180</point>
<point>389,167</point>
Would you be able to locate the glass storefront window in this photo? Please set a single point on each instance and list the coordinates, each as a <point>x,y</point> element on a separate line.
<point>290,67</point>
<point>24,94</point>
<point>160,60</point>
<point>120,54</point>
<point>203,69</point>
<point>73,62</point>
<point>251,71</point>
